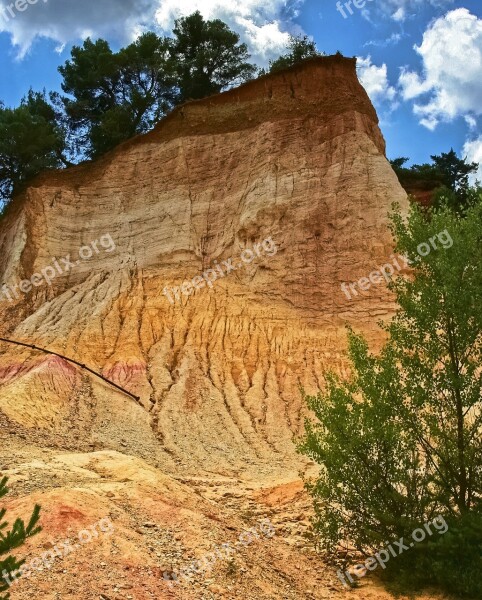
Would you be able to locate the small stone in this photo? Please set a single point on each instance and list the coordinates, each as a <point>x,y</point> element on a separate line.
<point>217,589</point>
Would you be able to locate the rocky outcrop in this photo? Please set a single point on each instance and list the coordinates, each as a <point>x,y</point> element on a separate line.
<point>280,190</point>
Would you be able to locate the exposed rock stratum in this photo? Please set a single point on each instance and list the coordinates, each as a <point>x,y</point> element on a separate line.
<point>295,159</point>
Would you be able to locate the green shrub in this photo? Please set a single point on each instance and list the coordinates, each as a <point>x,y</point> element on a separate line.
<point>398,442</point>
<point>452,561</point>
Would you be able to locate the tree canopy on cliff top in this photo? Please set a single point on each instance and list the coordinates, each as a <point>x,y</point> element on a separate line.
<point>109,97</point>
<point>299,48</point>
<point>447,178</point>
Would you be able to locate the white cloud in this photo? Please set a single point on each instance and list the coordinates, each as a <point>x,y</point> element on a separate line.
<point>473,151</point>
<point>375,80</point>
<point>397,10</point>
<point>392,40</point>
<point>399,15</point>
<point>400,10</point>
<point>67,21</point>
<point>262,24</point>
<point>451,83</point>
<point>411,4</point>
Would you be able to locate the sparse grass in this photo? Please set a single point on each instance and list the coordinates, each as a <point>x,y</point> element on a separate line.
<point>232,569</point>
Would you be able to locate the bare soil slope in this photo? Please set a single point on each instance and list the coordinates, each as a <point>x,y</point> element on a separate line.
<point>294,160</point>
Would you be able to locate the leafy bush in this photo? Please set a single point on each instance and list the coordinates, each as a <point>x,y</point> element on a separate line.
<point>452,561</point>
<point>399,441</point>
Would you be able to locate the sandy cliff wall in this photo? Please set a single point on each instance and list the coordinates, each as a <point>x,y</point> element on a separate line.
<point>296,157</point>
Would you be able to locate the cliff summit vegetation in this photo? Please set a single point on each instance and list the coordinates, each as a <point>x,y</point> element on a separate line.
<point>109,97</point>
<point>447,178</point>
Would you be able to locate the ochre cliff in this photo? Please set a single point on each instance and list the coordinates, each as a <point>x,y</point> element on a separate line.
<point>296,158</point>
<point>284,183</point>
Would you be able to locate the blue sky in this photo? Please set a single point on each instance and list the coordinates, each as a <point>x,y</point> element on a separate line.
<point>420,60</point>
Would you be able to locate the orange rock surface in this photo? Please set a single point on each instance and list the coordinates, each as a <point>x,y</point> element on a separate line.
<point>295,160</point>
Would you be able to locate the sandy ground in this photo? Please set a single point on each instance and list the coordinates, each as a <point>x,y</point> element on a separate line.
<point>137,523</point>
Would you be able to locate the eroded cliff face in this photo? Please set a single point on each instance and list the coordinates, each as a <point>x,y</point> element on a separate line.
<point>296,160</point>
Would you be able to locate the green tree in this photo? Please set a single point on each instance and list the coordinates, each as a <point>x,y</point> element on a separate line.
<point>110,96</point>
<point>31,140</point>
<point>208,57</point>
<point>400,440</point>
<point>455,173</point>
<point>117,95</point>
<point>10,540</point>
<point>299,48</point>
<point>448,177</point>
<point>397,163</point>
<point>424,177</point>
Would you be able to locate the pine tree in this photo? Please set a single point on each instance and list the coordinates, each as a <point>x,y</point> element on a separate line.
<point>209,57</point>
<point>31,141</point>
<point>11,539</point>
